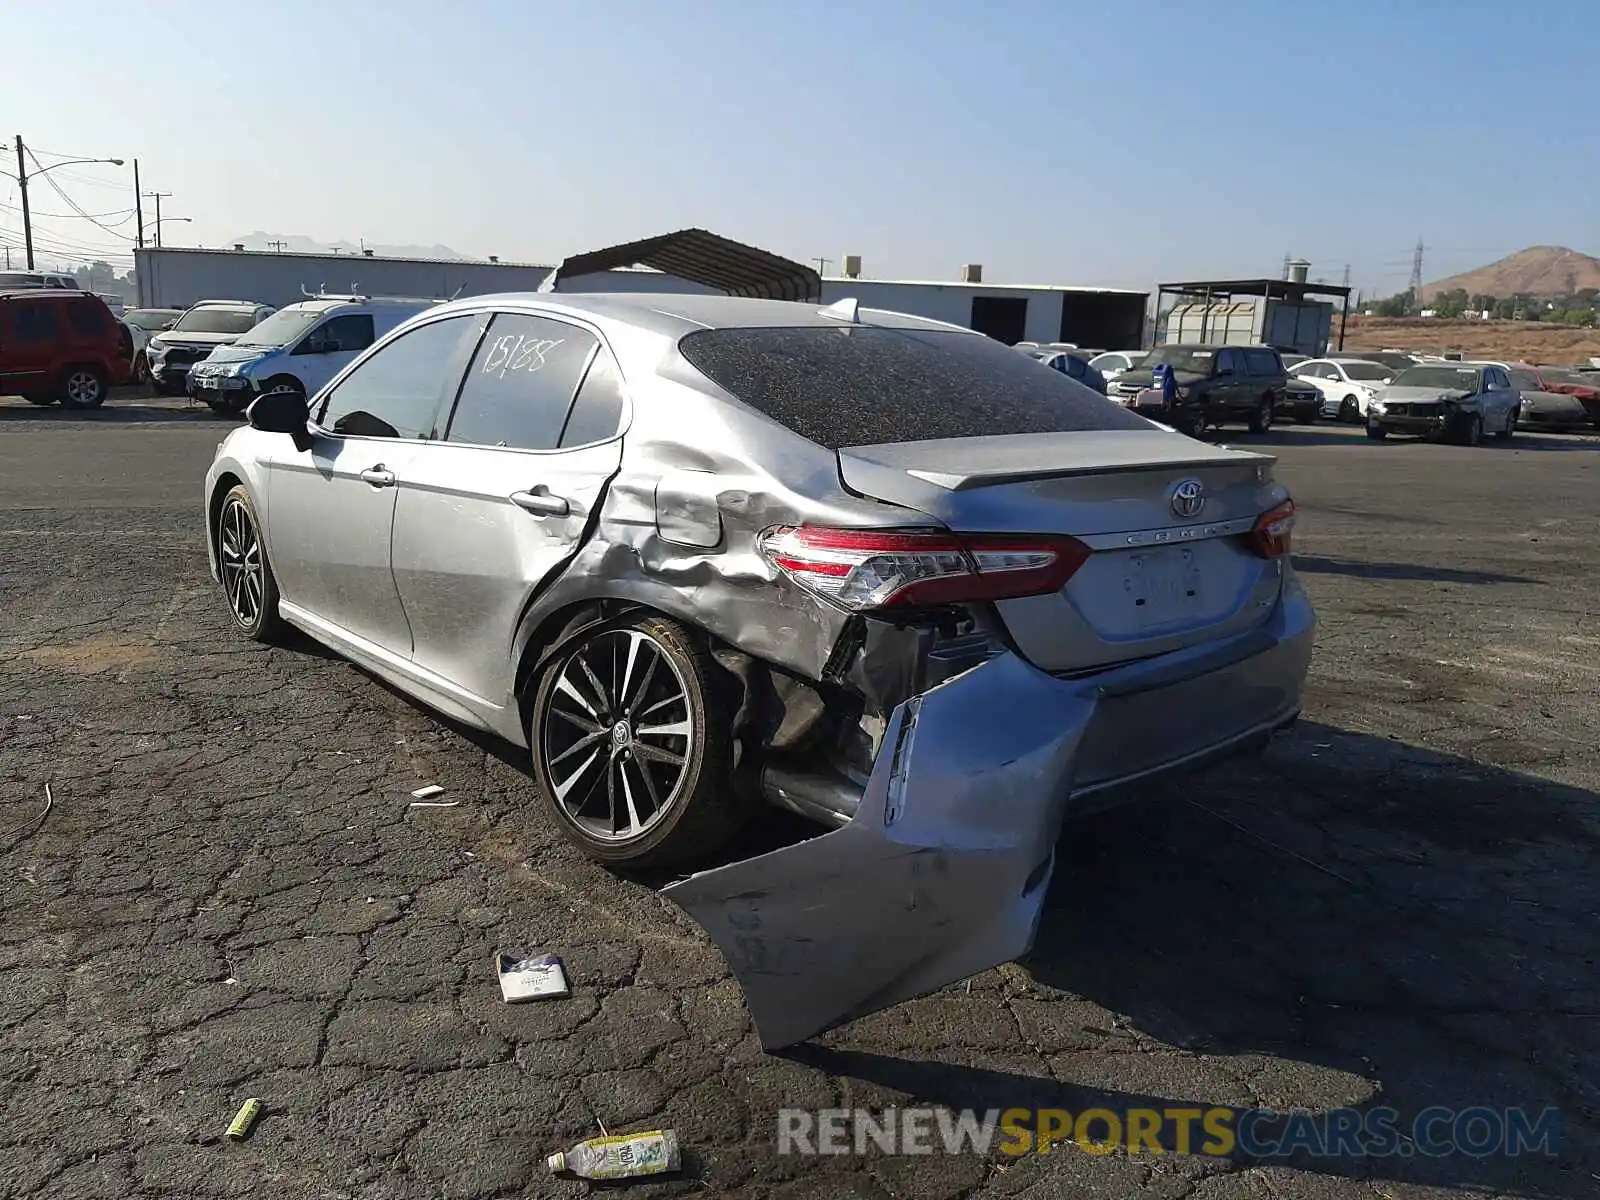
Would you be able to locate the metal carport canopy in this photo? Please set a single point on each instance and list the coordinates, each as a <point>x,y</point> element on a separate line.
<point>705,258</point>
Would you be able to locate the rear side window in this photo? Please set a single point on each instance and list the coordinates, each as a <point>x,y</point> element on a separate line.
<point>863,386</point>
<point>87,318</point>
<point>597,411</point>
<point>35,321</point>
<point>1262,362</point>
<point>520,385</point>
<point>353,331</point>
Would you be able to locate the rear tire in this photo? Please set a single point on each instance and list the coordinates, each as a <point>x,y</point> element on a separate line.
<point>1261,416</point>
<point>82,387</point>
<point>633,747</point>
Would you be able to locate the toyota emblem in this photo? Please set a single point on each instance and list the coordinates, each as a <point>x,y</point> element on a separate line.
<point>1188,498</point>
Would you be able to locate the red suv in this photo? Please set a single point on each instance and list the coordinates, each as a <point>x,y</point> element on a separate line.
<point>60,345</point>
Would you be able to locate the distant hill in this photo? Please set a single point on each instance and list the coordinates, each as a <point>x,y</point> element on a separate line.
<point>294,243</point>
<point>1538,271</point>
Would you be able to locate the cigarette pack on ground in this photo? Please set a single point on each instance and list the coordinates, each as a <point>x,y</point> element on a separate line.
<point>538,978</point>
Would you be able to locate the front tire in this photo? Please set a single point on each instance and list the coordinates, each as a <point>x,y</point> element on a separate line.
<point>632,747</point>
<point>1349,410</point>
<point>1471,431</point>
<point>247,579</point>
<point>1506,434</point>
<point>1376,432</point>
<point>83,388</point>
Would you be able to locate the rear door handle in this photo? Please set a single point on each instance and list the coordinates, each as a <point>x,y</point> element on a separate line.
<point>541,503</point>
<point>379,476</point>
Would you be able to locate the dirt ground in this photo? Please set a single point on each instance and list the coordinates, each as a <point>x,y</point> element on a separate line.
<point>1499,341</point>
<point>231,897</point>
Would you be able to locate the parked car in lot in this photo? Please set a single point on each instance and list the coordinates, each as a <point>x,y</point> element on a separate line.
<point>1215,384</point>
<point>1399,360</point>
<point>694,550</point>
<point>299,348</point>
<point>1346,385</point>
<point>143,324</point>
<point>1459,401</point>
<point>1114,362</point>
<point>57,344</point>
<point>1299,402</point>
<point>1074,366</point>
<point>1582,386</point>
<point>200,330</point>
<point>1539,407</point>
<point>15,281</point>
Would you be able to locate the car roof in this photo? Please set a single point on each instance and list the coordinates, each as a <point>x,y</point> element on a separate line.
<point>675,314</point>
<point>227,304</point>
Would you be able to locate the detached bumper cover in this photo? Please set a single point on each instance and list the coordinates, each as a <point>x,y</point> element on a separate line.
<point>943,870</point>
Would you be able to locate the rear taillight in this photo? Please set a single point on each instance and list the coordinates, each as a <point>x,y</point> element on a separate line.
<point>865,569</point>
<point>1270,537</point>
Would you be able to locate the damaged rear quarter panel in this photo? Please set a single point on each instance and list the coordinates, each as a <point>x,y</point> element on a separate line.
<point>687,467</point>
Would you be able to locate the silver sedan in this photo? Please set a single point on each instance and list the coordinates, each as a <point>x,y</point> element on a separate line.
<point>694,550</point>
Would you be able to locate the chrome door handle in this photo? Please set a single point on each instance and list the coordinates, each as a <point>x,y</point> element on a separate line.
<point>379,476</point>
<point>541,504</point>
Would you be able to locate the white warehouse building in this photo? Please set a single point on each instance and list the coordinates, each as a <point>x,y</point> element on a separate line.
<point>171,277</point>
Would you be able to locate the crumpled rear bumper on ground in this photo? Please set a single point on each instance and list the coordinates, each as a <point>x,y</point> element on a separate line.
<point>943,870</point>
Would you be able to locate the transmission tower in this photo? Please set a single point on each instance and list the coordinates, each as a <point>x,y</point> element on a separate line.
<point>1416,277</point>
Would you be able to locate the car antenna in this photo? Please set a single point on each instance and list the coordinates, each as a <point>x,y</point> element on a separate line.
<point>844,310</point>
<point>306,292</point>
<point>458,291</point>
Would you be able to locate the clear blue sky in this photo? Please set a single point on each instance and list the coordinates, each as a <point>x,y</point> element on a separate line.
<point>1088,142</point>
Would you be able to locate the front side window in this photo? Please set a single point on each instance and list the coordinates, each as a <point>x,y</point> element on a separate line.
<point>398,391</point>
<point>1228,363</point>
<point>520,385</point>
<point>35,321</point>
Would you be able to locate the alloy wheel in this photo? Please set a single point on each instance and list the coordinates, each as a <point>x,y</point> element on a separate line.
<point>83,389</point>
<point>618,735</point>
<point>240,551</point>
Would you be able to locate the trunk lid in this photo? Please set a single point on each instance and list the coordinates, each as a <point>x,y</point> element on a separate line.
<point>1161,577</point>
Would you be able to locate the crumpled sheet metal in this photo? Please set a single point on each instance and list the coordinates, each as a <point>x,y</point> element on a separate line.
<point>941,873</point>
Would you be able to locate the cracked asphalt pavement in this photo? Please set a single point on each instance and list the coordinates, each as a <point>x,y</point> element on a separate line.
<point>231,897</point>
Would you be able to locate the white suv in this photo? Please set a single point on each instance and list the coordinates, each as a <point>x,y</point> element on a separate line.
<point>298,349</point>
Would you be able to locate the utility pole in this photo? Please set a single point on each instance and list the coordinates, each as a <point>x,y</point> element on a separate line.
<point>138,207</point>
<point>1346,275</point>
<point>159,196</point>
<point>278,246</point>
<point>27,217</point>
<point>1285,274</point>
<point>822,264</point>
<point>1416,276</point>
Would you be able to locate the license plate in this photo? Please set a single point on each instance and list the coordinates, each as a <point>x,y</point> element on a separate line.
<point>1162,586</point>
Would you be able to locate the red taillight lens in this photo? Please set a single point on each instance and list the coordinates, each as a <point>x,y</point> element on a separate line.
<point>865,569</point>
<point>1270,537</point>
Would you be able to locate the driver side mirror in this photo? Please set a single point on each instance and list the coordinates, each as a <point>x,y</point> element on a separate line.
<point>281,412</point>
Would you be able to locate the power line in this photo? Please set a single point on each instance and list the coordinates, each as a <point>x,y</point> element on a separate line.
<point>70,202</point>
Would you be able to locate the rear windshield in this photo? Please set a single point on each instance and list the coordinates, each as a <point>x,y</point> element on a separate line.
<point>215,320</point>
<point>1374,371</point>
<point>864,386</point>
